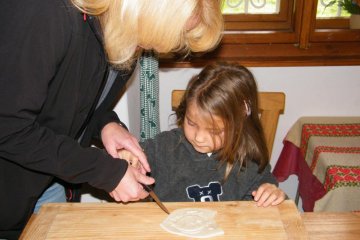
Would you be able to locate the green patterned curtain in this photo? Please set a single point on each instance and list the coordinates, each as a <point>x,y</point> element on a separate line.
<point>149,95</point>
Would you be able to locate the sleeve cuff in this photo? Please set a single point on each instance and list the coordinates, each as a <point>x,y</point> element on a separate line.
<point>111,173</point>
<point>105,119</point>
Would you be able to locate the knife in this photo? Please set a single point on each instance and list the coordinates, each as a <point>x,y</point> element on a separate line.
<point>155,197</point>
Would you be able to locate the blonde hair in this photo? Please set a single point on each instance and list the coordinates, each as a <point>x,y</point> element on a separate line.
<point>155,24</point>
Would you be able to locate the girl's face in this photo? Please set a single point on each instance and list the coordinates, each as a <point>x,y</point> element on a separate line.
<point>204,133</point>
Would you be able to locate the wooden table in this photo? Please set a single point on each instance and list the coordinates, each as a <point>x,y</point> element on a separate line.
<point>324,152</point>
<point>239,220</point>
<point>332,226</point>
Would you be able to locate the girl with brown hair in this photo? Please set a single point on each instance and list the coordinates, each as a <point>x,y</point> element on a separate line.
<point>218,152</point>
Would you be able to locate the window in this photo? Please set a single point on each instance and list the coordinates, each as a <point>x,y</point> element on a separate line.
<point>256,14</point>
<point>283,33</point>
<point>258,21</point>
<point>331,16</point>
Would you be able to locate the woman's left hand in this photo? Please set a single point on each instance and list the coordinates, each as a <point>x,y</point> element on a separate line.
<point>116,137</point>
<point>268,194</point>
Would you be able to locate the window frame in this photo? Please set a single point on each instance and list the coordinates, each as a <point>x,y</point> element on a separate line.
<point>302,41</point>
<point>280,21</point>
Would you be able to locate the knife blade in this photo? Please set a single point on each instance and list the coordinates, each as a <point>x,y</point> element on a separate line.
<point>155,197</point>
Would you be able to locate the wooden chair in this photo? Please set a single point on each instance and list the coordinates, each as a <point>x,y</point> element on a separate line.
<point>271,105</point>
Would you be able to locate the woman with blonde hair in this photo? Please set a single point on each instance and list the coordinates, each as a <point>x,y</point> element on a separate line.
<point>162,25</point>
<point>62,66</point>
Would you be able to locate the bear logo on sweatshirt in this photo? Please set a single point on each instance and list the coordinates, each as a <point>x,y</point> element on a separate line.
<point>209,193</point>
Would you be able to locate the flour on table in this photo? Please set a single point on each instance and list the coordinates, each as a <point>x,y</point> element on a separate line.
<point>192,222</point>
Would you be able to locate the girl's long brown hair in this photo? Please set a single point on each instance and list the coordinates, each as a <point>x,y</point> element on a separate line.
<point>224,90</point>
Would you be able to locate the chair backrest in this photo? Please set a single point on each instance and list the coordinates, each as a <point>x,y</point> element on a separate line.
<point>271,105</point>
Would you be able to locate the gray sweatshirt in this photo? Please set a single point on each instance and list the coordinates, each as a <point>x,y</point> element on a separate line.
<point>182,174</point>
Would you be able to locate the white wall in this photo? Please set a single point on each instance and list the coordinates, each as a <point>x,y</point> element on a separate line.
<point>310,91</point>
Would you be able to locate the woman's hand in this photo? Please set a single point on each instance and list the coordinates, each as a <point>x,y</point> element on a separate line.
<point>115,137</point>
<point>129,188</point>
<point>268,194</point>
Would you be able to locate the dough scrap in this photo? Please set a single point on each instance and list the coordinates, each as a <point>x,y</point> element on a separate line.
<point>192,222</point>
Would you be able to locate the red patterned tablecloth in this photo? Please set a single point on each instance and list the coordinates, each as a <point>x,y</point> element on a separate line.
<point>324,152</point>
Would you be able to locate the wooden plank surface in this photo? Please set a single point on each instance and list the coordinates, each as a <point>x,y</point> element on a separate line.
<point>239,220</point>
<point>332,226</point>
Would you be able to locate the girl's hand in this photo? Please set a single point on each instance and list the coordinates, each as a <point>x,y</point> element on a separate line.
<point>268,194</point>
<point>129,157</point>
<point>115,137</point>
